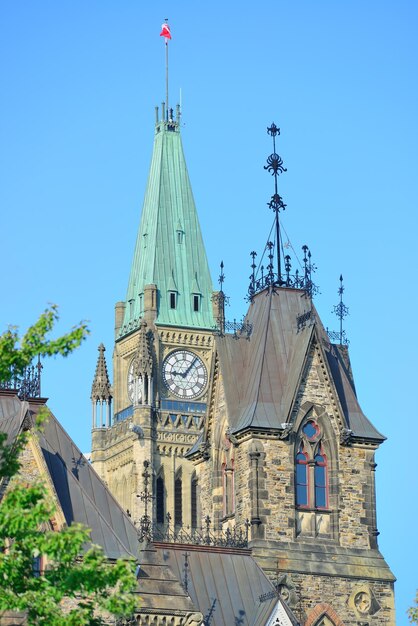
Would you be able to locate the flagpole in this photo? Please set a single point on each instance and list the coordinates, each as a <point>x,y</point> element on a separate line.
<point>166,74</point>
<point>165,32</point>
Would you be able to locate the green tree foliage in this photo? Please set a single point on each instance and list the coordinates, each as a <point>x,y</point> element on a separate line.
<point>413,611</point>
<point>66,590</point>
<point>17,353</point>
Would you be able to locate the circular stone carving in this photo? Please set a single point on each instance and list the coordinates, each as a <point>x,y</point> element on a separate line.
<point>362,602</point>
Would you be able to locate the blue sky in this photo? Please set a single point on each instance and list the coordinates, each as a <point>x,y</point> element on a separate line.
<point>79,84</point>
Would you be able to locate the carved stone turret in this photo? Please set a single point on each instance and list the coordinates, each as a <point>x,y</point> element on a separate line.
<point>101,393</point>
<point>142,366</point>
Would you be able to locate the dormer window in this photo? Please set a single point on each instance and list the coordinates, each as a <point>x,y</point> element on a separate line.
<point>196,303</point>
<point>173,299</point>
<point>179,232</point>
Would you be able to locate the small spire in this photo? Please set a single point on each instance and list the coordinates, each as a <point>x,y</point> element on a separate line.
<point>274,267</point>
<point>143,357</point>
<point>100,390</point>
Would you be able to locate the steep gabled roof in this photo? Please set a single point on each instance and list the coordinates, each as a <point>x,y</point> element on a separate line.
<point>262,373</point>
<point>82,496</point>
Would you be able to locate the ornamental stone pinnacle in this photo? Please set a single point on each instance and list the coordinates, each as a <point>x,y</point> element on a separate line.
<point>100,390</point>
<point>142,363</point>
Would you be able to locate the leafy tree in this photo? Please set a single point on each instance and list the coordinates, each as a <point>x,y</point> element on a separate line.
<point>16,353</point>
<point>413,611</point>
<point>67,590</point>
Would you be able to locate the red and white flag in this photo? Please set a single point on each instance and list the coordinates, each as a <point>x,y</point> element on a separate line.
<point>165,31</point>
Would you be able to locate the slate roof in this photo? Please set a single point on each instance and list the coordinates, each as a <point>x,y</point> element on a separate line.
<point>82,495</point>
<point>224,585</point>
<point>262,373</point>
<point>159,587</point>
<point>84,498</point>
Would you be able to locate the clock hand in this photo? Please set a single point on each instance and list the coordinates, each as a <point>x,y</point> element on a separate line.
<point>189,368</point>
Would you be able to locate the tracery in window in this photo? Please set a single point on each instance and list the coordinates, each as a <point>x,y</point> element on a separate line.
<point>311,469</point>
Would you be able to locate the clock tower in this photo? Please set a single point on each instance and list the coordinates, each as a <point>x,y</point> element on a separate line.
<point>164,347</point>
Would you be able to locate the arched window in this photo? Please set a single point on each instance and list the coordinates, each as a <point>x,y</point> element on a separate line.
<point>321,481</point>
<point>311,469</point>
<point>178,504</point>
<point>160,500</point>
<point>302,479</point>
<point>193,503</point>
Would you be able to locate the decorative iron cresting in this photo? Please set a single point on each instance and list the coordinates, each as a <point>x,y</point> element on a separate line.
<point>27,384</point>
<point>306,319</point>
<point>206,535</point>
<point>341,311</point>
<point>276,271</point>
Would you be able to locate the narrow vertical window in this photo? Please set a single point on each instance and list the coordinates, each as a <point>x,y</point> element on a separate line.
<point>301,479</point>
<point>178,508</point>
<point>173,300</point>
<point>196,303</point>
<point>194,503</point>
<point>160,500</point>
<point>320,477</point>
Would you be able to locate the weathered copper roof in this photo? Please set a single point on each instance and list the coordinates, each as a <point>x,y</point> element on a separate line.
<point>169,250</point>
<point>262,373</point>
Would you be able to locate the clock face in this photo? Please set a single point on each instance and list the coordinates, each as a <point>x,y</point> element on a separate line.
<point>134,385</point>
<point>185,374</point>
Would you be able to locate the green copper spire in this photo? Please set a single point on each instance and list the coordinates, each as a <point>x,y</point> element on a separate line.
<point>169,251</point>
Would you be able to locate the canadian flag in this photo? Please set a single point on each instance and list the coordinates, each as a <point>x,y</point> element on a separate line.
<point>165,31</point>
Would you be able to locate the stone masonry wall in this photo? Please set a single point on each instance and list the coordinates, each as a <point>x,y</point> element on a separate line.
<point>354,601</point>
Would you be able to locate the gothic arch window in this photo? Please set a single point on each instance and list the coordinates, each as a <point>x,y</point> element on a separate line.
<point>159,501</point>
<point>311,468</point>
<point>178,501</point>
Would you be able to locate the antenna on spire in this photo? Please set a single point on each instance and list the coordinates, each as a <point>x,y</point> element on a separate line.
<point>166,33</point>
